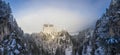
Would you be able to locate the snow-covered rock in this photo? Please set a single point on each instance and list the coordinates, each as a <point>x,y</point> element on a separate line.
<point>105,39</point>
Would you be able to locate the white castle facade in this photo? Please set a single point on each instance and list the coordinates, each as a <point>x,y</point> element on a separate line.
<point>49,29</point>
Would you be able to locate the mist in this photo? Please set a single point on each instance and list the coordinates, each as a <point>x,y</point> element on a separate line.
<point>72,16</point>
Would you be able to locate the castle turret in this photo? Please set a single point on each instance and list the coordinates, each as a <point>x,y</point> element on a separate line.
<point>49,29</point>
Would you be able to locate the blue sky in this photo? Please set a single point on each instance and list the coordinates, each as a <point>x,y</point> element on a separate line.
<point>72,15</point>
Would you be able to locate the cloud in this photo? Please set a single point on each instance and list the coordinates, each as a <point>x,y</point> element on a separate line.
<point>70,15</point>
<point>64,19</point>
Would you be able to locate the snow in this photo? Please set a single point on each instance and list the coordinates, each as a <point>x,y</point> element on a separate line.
<point>6,41</point>
<point>13,43</point>
<point>68,51</point>
<point>16,51</point>
<point>112,41</point>
<point>11,53</point>
<point>2,49</point>
<point>114,2</point>
<point>87,50</point>
<point>100,51</point>
<point>102,35</point>
<point>8,48</point>
<point>12,34</point>
<point>118,11</point>
<point>18,45</point>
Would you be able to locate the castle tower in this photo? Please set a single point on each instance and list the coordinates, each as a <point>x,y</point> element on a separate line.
<point>49,29</point>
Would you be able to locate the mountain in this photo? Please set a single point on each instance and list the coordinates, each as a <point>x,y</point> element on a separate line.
<point>104,39</point>
<point>53,46</point>
<point>106,36</point>
<point>11,42</point>
<point>81,41</point>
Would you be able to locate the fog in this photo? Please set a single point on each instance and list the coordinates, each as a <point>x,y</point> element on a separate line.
<point>72,16</point>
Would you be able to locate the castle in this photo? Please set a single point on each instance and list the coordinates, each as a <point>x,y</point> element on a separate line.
<point>49,29</point>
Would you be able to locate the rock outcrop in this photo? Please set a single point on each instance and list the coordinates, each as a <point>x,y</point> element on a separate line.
<point>56,46</point>
<point>81,42</point>
<point>106,37</point>
<point>11,36</point>
<point>103,40</point>
<point>14,42</point>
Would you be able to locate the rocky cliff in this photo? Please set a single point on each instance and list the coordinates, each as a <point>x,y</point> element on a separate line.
<point>106,39</point>
<point>14,42</point>
<point>56,46</point>
<point>9,32</point>
<point>11,36</point>
<point>103,40</point>
<point>82,43</point>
